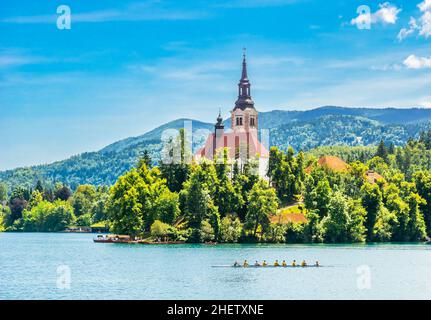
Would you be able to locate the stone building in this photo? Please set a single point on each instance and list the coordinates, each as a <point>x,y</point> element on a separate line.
<point>241,139</point>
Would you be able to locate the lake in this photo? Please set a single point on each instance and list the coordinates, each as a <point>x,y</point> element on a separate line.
<point>40,265</point>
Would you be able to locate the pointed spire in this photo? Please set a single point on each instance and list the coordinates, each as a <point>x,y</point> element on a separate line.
<point>219,118</point>
<point>244,65</point>
<point>219,124</point>
<point>244,98</point>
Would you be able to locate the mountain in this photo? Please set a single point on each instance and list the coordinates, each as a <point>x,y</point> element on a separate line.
<point>347,130</point>
<point>303,130</point>
<point>382,115</point>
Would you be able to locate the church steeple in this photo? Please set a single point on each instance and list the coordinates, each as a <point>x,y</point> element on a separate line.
<point>244,68</point>
<point>244,98</point>
<point>219,124</point>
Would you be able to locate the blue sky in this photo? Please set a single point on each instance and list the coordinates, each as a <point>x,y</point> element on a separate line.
<point>126,67</point>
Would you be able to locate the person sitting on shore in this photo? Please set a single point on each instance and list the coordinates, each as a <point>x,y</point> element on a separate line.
<point>284,264</point>
<point>294,263</point>
<point>245,264</point>
<point>264,263</point>
<point>317,264</point>
<point>303,263</point>
<point>276,264</point>
<point>236,264</point>
<point>257,264</point>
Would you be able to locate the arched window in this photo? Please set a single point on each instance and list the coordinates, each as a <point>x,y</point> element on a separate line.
<point>252,124</point>
<point>239,121</point>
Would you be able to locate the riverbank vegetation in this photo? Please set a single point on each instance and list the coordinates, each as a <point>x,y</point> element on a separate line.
<point>379,194</point>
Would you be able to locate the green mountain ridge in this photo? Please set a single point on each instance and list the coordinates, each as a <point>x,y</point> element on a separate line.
<point>303,130</point>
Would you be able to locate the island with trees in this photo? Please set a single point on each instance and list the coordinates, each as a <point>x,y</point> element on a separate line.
<point>336,194</point>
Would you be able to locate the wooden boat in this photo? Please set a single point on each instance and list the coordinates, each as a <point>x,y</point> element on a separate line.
<point>210,243</point>
<point>113,238</point>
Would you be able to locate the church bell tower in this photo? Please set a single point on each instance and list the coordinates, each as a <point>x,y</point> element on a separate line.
<point>244,117</point>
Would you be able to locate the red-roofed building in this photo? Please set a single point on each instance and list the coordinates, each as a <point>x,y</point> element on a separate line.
<point>242,139</point>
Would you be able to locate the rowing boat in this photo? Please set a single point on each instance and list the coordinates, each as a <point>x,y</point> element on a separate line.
<point>252,266</point>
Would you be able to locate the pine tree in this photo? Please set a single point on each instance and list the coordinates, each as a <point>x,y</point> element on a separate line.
<point>382,151</point>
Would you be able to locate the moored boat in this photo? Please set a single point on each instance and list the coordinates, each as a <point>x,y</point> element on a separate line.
<point>113,238</point>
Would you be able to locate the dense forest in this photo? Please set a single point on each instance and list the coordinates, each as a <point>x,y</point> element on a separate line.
<point>382,194</point>
<point>303,130</point>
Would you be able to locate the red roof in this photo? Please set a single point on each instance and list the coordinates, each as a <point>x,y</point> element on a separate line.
<point>331,162</point>
<point>242,141</point>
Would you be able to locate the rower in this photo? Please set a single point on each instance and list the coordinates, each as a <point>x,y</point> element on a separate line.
<point>264,264</point>
<point>317,264</point>
<point>294,263</point>
<point>276,264</point>
<point>236,264</point>
<point>257,264</point>
<point>284,264</point>
<point>245,264</point>
<point>303,263</point>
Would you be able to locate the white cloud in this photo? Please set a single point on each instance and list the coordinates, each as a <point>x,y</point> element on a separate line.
<point>425,24</point>
<point>422,24</point>
<point>414,62</point>
<point>405,32</point>
<point>387,14</point>
<point>425,5</point>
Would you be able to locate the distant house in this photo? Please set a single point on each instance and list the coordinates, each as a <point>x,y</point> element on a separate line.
<point>242,139</point>
<point>373,176</point>
<point>330,162</point>
<point>338,165</point>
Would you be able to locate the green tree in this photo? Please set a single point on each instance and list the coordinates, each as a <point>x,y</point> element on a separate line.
<point>337,221</point>
<point>416,226</point>
<point>345,220</point>
<point>372,202</point>
<point>35,199</point>
<point>423,186</point>
<point>230,229</point>
<point>286,173</point>
<point>207,231</point>
<point>62,192</point>
<point>17,203</point>
<point>226,197</point>
<point>383,228</point>
<point>174,165</point>
<point>48,217</point>
<point>159,229</point>
<point>382,151</point>
<point>167,207</point>
<point>132,207</point>
<point>198,202</point>
<point>84,220</point>
<point>3,192</point>
<point>262,204</point>
<point>39,186</point>
<point>83,200</point>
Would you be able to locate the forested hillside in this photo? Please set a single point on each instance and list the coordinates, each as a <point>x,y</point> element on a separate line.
<point>303,130</point>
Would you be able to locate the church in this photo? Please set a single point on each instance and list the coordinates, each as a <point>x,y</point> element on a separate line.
<point>242,139</point>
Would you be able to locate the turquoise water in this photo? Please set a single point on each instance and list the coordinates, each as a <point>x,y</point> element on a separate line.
<point>29,265</point>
